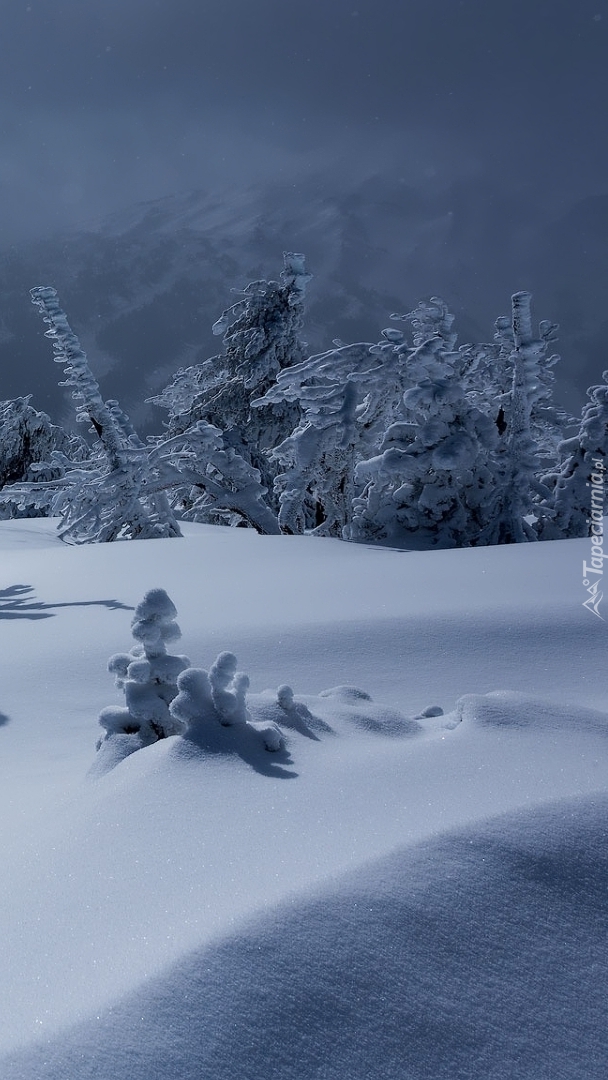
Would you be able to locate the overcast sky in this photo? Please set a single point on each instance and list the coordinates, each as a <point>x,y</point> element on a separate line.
<point>106,102</point>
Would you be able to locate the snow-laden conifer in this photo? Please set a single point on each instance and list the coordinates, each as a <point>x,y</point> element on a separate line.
<point>147,675</point>
<point>575,506</point>
<point>120,491</point>
<point>111,494</point>
<point>347,397</point>
<point>427,484</point>
<point>517,489</point>
<point>261,337</point>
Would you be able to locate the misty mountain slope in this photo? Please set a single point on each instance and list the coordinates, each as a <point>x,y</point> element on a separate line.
<point>143,287</point>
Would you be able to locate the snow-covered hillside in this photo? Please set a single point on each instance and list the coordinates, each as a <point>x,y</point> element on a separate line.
<point>393,895</point>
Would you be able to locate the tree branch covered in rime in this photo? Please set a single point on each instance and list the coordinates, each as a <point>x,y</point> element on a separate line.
<point>211,482</point>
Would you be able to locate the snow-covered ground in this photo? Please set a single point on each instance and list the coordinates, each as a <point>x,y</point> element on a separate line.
<point>391,899</point>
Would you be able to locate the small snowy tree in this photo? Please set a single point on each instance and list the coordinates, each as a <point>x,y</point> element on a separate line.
<point>147,674</point>
<point>261,337</point>
<point>576,484</point>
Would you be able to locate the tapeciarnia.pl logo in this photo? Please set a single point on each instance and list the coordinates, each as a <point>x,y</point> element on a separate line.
<point>594,571</point>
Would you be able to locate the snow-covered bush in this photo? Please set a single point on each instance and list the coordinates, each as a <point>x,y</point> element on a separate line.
<point>218,697</point>
<point>147,674</point>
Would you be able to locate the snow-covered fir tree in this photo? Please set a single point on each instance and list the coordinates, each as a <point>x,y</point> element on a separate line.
<point>147,675</point>
<point>261,337</point>
<point>572,508</point>
<point>109,495</point>
<point>517,489</point>
<point>427,485</point>
<point>28,439</point>
<point>347,397</point>
<point>548,422</point>
<point>120,491</point>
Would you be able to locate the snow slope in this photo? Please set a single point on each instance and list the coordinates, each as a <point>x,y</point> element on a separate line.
<point>389,898</point>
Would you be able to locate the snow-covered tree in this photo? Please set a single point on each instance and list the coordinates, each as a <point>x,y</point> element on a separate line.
<point>27,441</point>
<point>347,397</point>
<point>120,491</point>
<point>517,488</point>
<point>147,674</point>
<point>575,506</point>
<point>427,485</point>
<point>261,337</point>
<point>548,422</point>
<point>109,495</point>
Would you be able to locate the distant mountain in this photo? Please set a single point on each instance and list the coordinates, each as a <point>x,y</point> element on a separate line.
<point>143,287</point>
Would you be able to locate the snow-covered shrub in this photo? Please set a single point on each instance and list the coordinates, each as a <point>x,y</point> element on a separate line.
<point>261,337</point>
<point>147,675</point>
<point>218,698</point>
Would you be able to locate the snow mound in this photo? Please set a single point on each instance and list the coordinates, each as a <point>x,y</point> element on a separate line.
<point>269,723</point>
<point>480,953</point>
<point>507,708</point>
<point>346,706</point>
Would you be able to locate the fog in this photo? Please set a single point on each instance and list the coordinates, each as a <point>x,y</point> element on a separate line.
<point>499,109</point>
<point>111,101</point>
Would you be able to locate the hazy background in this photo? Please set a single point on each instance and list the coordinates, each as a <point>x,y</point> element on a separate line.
<point>414,146</point>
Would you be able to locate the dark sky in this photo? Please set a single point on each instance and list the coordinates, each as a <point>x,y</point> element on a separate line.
<point>106,102</point>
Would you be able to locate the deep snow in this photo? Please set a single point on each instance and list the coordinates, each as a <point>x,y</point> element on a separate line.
<point>394,897</point>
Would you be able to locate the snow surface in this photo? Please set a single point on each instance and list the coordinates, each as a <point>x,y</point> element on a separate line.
<point>394,895</point>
